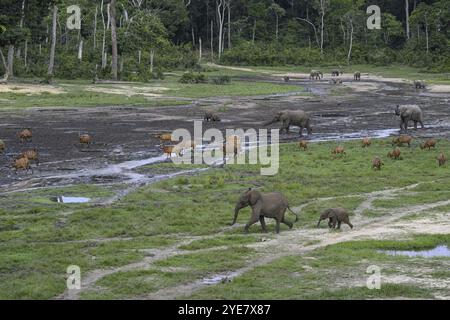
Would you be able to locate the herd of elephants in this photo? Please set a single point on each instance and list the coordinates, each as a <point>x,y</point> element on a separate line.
<point>274,205</point>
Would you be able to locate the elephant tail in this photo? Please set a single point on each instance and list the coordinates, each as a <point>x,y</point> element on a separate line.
<point>295,214</point>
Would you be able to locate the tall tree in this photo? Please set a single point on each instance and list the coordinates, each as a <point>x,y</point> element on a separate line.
<point>114,56</point>
<point>51,63</point>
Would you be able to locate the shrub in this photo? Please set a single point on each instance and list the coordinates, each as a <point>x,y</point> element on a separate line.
<point>221,80</point>
<point>190,77</point>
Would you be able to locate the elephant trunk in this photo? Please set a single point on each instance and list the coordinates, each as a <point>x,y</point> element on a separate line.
<point>318,223</point>
<point>236,212</point>
<point>270,122</point>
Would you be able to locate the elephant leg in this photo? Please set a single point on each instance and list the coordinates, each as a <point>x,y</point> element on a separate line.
<point>421,124</point>
<point>334,221</point>
<point>263,223</point>
<point>301,131</point>
<point>289,224</point>
<point>339,225</point>
<point>415,125</point>
<point>330,223</point>
<point>252,221</point>
<point>277,226</point>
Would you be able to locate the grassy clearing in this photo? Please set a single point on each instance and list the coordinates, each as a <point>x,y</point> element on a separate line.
<point>202,204</point>
<point>182,269</point>
<point>335,272</point>
<point>78,94</point>
<point>393,71</point>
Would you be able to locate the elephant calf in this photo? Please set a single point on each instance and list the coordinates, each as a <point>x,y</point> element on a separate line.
<point>269,205</point>
<point>335,216</point>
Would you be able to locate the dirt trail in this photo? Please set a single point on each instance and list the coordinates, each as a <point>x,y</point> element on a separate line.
<point>294,242</point>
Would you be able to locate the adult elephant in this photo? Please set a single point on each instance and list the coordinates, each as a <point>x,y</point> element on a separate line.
<point>269,205</point>
<point>297,118</point>
<point>409,113</point>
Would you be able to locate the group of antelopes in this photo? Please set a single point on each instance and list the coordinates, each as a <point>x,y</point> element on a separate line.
<point>23,160</point>
<point>394,154</point>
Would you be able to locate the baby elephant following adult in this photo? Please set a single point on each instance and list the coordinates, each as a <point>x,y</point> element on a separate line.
<point>292,118</point>
<point>269,205</point>
<point>335,215</point>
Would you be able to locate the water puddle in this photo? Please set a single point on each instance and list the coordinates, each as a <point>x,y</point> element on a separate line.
<point>62,199</point>
<point>376,134</point>
<point>439,251</point>
<point>219,278</point>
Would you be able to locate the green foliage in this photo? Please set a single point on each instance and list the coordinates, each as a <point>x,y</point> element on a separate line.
<point>191,77</point>
<point>221,80</point>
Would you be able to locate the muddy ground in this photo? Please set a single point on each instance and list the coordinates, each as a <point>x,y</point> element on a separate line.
<point>121,134</point>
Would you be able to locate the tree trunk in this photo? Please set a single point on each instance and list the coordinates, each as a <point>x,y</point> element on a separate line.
<point>5,66</point>
<point>25,54</point>
<point>80,50</point>
<point>229,24</point>
<point>11,60</point>
<point>199,50</point>
<point>95,28</point>
<point>322,23</point>
<point>193,37</point>
<point>212,41</point>
<point>152,56</point>
<point>51,63</point>
<point>221,17</point>
<point>139,56</point>
<point>276,27</point>
<point>426,34</point>
<point>351,42</point>
<point>104,38</point>
<point>407,18</point>
<point>112,13</point>
<point>254,32</point>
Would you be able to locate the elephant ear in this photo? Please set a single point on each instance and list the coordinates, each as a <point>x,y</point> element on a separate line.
<point>254,197</point>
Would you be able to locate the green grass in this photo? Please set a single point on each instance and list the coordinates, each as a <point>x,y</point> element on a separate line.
<point>77,93</point>
<point>36,235</point>
<point>333,272</point>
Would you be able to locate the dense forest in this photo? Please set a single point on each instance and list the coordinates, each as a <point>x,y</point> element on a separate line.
<point>139,39</point>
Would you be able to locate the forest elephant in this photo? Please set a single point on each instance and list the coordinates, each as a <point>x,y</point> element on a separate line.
<point>409,113</point>
<point>357,76</point>
<point>335,216</point>
<point>419,84</point>
<point>264,205</point>
<point>315,75</point>
<point>297,118</point>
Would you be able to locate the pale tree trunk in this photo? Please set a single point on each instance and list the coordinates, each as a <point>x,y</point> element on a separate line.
<point>25,54</point>
<point>322,23</point>
<point>221,6</point>
<point>407,18</point>
<point>254,32</point>
<point>351,42</point>
<point>139,56</point>
<point>80,50</point>
<point>276,27</point>
<point>11,60</point>
<point>426,34</point>
<point>199,50</point>
<point>18,51</point>
<point>229,24</point>
<point>95,28</point>
<point>152,56</point>
<point>112,10</point>
<point>104,37</point>
<point>51,63</point>
<point>212,41</point>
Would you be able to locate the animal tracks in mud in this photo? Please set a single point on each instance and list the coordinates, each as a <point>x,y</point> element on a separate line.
<point>294,242</point>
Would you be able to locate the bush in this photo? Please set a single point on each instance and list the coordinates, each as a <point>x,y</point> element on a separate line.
<point>221,80</point>
<point>190,77</point>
